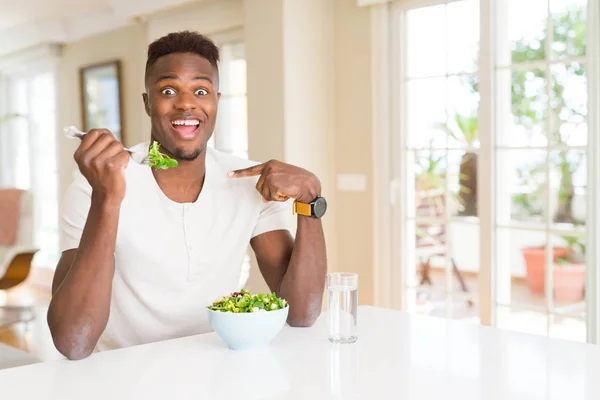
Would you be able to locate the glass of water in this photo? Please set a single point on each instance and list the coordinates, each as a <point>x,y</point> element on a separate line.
<point>342,304</point>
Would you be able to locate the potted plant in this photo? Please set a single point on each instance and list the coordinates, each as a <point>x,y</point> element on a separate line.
<point>568,272</point>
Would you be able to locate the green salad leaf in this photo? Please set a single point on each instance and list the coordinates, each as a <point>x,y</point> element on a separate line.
<point>159,160</point>
<point>245,302</point>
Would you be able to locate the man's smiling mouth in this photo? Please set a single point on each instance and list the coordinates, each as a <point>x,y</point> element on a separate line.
<point>186,128</point>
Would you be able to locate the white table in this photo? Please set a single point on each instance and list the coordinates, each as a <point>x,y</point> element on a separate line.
<point>397,356</point>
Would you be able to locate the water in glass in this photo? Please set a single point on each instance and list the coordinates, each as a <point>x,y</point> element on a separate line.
<point>342,300</point>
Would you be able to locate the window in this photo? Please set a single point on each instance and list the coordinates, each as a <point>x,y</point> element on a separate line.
<point>537,92</point>
<point>542,140</point>
<point>30,154</point>
<point>231,130</point>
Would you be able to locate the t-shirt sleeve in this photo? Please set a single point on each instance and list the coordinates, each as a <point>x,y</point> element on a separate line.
<point>274,216</point>
<point>74,212</point>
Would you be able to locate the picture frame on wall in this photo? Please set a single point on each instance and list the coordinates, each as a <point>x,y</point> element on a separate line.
<point>101,97</point>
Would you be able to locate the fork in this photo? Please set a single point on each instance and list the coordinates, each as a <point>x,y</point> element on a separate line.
<point>139,156</point>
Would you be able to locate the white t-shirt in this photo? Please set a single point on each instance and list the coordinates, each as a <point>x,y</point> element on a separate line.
<point>173,259</point>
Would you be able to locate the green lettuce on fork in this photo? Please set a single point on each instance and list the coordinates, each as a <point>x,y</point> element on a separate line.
<point>159,160</point>
<point>244,302</point>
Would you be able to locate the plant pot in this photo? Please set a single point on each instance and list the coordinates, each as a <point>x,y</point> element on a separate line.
<point>535,263</point>
<point>569,282</point>
<point>568,279</point>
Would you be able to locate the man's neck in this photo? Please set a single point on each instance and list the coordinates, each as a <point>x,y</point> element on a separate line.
<point>183,183</point>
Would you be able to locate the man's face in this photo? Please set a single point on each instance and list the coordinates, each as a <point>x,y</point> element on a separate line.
<point>181,100</point>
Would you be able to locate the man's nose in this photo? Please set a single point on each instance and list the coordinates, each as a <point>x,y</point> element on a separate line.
<point>185,102</point>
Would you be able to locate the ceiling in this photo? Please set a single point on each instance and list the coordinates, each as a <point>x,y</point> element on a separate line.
<point>25,11</point>
<point>26,23</point>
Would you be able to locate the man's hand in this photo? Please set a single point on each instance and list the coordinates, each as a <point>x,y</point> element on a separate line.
<point>102,160</point>
<point>280,181</point>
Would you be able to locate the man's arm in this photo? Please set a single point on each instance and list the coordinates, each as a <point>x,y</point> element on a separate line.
<point>82,284</point>
<point>295,271</point>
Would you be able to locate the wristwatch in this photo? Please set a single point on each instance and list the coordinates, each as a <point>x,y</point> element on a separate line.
<point>315,208</point>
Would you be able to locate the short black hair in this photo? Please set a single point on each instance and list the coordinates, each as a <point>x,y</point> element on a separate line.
<point>183,42</point>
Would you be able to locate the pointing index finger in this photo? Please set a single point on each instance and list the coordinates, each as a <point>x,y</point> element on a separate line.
<point>250,171</point>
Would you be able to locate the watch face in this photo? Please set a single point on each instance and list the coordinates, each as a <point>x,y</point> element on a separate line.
<point>320,207</point>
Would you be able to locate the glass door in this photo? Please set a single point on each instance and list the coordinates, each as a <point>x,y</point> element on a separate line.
<point>440,141</point>
<point>526,98</point>
<point>541,174</point>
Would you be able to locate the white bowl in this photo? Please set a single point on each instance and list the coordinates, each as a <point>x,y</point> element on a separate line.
<point>243,331</point>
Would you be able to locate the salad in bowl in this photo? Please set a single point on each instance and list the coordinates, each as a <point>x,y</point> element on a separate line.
<point>244,302</point>
<point>244,320</point>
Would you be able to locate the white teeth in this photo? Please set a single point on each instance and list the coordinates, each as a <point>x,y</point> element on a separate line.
<point>186,122</point>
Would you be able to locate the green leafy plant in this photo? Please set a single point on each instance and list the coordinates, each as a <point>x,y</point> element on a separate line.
<point>159,160</point>
<point>463,129</point>
<point>530,199</point>
<point>569,40</point>
<point>245,302</point>
<point>576,254</point>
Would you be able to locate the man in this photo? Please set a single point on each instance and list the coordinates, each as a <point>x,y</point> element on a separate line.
<point>146,250</point>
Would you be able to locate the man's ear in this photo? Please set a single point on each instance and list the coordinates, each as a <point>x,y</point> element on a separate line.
<point>146,104</point>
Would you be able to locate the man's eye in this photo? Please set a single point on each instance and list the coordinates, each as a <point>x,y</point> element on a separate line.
<point>168,92</point>
<point>201,92</point>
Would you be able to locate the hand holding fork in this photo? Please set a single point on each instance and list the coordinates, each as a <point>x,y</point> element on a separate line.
<point>139,156</point>
<point>102,159</point>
